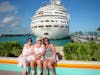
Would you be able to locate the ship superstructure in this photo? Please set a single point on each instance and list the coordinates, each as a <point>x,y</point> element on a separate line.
<point>51,21</point>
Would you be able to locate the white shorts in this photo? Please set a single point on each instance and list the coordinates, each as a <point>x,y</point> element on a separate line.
<point>28,59</point>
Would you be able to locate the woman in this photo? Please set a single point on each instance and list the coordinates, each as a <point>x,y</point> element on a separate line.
<point>50,56</point>
<point>38,52</point>
<point>26,55</point>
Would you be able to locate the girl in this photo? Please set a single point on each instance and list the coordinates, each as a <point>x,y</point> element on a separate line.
<point>38,52</point>
<point>50,56</point>
<point>26,56</point>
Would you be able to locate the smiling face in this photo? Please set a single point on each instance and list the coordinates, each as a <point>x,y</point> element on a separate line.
<point>38,40</point>
<point>46,41</point>
<point>29,41</point>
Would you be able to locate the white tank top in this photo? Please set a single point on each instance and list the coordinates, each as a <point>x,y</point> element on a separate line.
<point>38,50</point>
<point>26,51</point>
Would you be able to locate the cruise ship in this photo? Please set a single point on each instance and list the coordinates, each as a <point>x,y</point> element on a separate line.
<point>51,20</point>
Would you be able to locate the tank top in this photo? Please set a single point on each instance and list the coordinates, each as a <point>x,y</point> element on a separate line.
<point>49,53</point>
<point>26,51</point>
<point>38,50</point>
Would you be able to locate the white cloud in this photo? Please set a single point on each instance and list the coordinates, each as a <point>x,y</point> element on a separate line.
<point>6,7</point>
<point>9,18</point>
<point>10,22</point>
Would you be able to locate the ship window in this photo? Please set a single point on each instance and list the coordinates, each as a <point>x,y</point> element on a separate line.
<point>45,33</point>
<point>48,12</point>
<point>67,22</point>
<point>58,13</point>
<point>40,26</point>
<point>62,22</point>
<point>41,21</point>
<point>48,26</point>
<point>62,10</point>
<point>46,20</point>
<point>35,26</point>
<point>56,26</point>
<point>62,18</point>
<point>61,26</point>
<point>34,22</point>
<point>52,20</point>
<point>66,26</point>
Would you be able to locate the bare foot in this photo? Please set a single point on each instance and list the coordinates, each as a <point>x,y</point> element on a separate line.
<point>25,73</point>
<point>54,74</point>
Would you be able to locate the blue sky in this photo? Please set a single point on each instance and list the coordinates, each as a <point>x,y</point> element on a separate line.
<point>15,15</point>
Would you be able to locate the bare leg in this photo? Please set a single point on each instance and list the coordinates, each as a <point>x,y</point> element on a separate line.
<point>24,67</point>
<point>44,67</point>
<point>32,64</point>
<point>39,65</point>
<point>50,66</point>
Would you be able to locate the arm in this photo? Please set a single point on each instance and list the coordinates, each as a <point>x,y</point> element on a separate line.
<point>54,51</point>
<point>32,50</point>
<point>43,51</point>
<point>21,55</point>
<point>38,56</point>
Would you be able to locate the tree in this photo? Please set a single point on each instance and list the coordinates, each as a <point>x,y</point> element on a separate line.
<point>98,29</point>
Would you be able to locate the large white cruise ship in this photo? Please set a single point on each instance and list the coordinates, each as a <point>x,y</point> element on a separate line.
<point>51,21</point>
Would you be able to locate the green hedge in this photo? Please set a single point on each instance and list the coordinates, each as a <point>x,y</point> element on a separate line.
<point>10,49</point>
<point>82,51</point>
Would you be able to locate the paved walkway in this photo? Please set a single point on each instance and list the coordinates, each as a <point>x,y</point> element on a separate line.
<point>2,72</point>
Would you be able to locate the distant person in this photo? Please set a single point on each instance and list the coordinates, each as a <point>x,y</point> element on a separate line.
<point>26,56</point>
<point>38,51</point>
<point>49,56</point>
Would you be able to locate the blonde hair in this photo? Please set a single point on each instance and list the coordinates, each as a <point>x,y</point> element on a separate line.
<point>38,38</point>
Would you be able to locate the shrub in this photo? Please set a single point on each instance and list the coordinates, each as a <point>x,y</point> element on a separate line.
<point>82,51</point>
<point>10,49</point>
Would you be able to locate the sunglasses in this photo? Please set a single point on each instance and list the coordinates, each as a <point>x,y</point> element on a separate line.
<point>45,40</point>
<point>39,40</point>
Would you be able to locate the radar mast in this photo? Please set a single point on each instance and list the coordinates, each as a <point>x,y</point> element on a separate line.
<point>55,2</point>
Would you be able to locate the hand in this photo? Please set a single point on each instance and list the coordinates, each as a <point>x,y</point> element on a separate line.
<point>24,56</point>
<point>54,60</point>
<point>37,57</point>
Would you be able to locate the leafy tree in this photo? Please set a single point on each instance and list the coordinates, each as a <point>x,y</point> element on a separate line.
<point>98,29</point>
